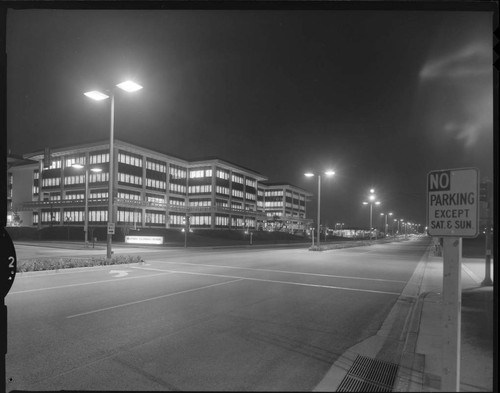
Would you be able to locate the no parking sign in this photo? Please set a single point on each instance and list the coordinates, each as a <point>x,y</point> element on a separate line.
<point>453,202</point>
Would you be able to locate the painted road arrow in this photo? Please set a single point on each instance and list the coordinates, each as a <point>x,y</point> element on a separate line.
<point>119,273</point>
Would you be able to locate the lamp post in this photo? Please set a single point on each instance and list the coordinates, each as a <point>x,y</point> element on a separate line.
<point>386,214</point>
<point>86,213</point>
<point>371,201</point>
<point>128,86</point>
<point>311,174</point>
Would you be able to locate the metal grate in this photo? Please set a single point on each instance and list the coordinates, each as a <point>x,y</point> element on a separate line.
<point>369,375</point>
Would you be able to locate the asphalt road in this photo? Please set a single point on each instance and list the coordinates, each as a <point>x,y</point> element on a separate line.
<point>248,319</point>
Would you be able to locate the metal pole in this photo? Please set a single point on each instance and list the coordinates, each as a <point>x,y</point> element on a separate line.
<point>319,192</point>
<point>86,224</point>
<point>111,174</point>
<point>371,217</point>
<point>452,295</point>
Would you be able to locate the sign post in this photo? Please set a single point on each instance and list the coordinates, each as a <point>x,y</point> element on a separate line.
<point>452,213</point>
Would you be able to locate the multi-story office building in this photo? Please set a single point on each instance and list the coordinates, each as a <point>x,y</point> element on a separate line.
<point>151,189</point>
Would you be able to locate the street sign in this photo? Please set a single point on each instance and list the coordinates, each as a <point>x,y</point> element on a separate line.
<point>453,202</point>
<point>111,228</point>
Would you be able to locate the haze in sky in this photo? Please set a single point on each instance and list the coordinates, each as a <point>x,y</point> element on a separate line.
<point>382,97</point>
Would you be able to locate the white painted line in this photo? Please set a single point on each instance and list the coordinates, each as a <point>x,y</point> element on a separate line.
<point>87,283</point>
<point>152,298</point>
<point>471,274</point>
<point>282,271</point>
<point>70,270</point>
<point>276,281</point>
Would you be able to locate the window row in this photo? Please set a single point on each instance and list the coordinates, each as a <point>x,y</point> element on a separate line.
<point>131,179</point>
<point>221,203</point>
<point>200,173</point>
<point>159,184</point>
<point>129,159</point>
<point>273,204</point>
<point>155,218</point>
<point>80,159</point>
<point>222,190</point>
<point>200,189</point>
<point>74,179</point>
<point>222,174</point>
<point>237,178</point>
<point>200,220</point>
<point>51,182</point>
<point>155,198</point>
<point>200,202</point>
<point>237,193</point>
<point>250,196</point>
<point>156,166</point>
<point>98,194</point>
<point>56,163</point>
<point>177,202</point>
<point>129,195</point>
<point>128,216</point>
<point>99,177</point>
<point>176,219</point>
<point>71,195</point>
<point>251,183</point>
<point>99,158</point>
<point>177,172</point>
<point>271,193</point>
<point>177,188</point>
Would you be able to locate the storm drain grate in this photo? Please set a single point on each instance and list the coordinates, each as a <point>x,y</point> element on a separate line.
<point>369,375</point>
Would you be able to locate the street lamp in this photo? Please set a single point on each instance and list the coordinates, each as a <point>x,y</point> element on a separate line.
<point>386,214</point>
<point>311,174</point>
<point>371,201</point>
<point>86,214</point>
<point>128,86</point>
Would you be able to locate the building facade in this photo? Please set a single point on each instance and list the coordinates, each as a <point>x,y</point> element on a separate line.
<point>150,189</point>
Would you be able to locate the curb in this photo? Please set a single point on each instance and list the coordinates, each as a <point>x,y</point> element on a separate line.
<point>399,350</point>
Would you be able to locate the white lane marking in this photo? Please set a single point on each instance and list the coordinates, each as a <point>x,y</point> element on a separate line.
<point>119,273</point>
<point>471,274</point>
<point>276,281</point>
<point>152,298</point>
<point>280,271</point>
<point>88,283</point>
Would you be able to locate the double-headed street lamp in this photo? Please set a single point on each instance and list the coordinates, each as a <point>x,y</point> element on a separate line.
<point>372,199</point>
<point>128,86</point>
<point>386,226</point>
<point>86,214</point>
<point>311,174</point>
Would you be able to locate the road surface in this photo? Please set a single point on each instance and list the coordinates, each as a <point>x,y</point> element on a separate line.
<point>208,319</point>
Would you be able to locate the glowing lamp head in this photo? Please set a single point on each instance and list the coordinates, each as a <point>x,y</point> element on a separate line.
<point>129,86</point>
<point>96,95</point>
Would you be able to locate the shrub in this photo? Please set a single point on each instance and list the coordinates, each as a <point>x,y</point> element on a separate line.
<point>37,264</point>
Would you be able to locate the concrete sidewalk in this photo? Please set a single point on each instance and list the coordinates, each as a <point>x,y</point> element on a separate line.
<point>411,338</point>
<point>477,346</point>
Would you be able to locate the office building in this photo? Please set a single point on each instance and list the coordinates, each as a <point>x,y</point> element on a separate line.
<point>151,189</point>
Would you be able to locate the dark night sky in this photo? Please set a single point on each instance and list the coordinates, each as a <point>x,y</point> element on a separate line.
<point>382,97</point>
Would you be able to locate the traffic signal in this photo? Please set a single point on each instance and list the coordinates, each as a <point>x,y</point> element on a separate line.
<point>484,192</point>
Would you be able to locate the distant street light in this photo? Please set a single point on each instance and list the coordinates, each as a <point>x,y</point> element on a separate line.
<point>371,201</point>
<point>127,86</point>
<point>386,214</point>
<point>86,213</point>
<point>311,174</point>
